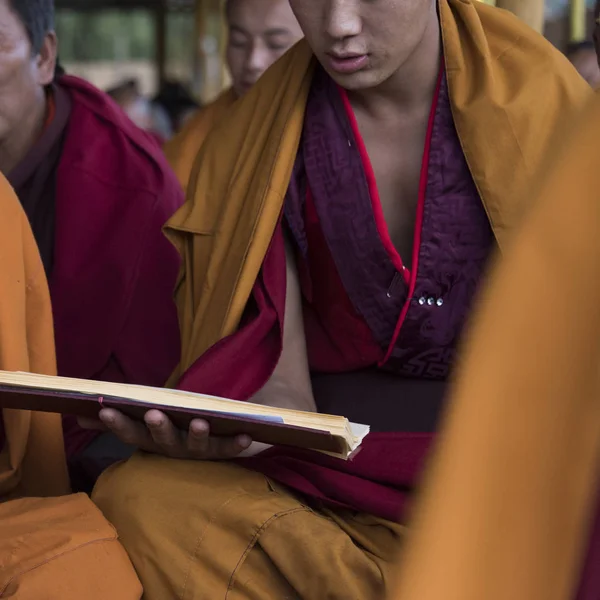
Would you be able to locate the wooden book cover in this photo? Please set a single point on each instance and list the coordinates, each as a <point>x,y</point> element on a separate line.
<point>85,398</point>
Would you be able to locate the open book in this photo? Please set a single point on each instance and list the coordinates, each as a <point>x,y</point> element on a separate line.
<point>326,433</point>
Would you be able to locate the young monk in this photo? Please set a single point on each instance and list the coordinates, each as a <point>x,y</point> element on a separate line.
<point>49,547</point>
<point>260,31</point>
<point>337,226</point>
<point>521,490</point>
<point>97,192</point>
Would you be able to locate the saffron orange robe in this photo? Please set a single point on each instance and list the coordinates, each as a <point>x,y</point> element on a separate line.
<point>182,150</point>
<point>521,489</point>
<point>49,547</point>
<point>32,461</point>
<point>498,72</point>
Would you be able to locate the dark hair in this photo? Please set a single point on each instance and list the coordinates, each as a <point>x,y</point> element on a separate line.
<point>38,18</point>
<point>127,87</point>
<point>176,100</point>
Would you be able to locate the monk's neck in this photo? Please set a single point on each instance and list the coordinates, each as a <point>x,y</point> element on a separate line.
<point>411,87</point>
<point>17,142</point>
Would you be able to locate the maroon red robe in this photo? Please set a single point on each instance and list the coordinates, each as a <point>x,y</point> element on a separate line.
<point>104,191</point>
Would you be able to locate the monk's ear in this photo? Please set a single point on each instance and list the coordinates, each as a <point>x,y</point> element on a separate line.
<point>46,59</point>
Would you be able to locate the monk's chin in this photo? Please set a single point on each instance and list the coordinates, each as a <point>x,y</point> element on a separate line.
<point>360,80</point>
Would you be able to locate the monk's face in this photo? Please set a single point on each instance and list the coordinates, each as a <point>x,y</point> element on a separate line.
<point>23,73</point>
<point>362,43</point>
<point>260,31</point>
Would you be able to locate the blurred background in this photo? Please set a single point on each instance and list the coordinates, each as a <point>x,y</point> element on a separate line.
<point>110,42</point>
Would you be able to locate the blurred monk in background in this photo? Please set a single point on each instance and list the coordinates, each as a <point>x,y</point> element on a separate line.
<point>53,548</point>
<point>507,510</point>
<point>147,115</point>
<point>97,192</point>
<point>260,31</point>
<point>337,227</point>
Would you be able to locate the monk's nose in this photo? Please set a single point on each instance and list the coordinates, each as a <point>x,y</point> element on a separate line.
<point>258,59</point>
<point>343,18</point>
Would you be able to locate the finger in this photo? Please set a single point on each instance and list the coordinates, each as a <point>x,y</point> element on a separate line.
<point>198,438</point>
<point>87,423</point>
<point>128,431</point>
<point>223,448</point>
<point>165,435</point>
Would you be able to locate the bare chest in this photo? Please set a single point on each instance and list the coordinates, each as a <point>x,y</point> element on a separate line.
<point>396,155</point>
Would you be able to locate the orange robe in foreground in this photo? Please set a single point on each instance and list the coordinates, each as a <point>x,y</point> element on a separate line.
<point>518,461</point>
<point>26,344</point>
<point>50,548</point>
<point>182,150</point>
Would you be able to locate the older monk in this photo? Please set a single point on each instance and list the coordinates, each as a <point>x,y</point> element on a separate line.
<point>97,192</point>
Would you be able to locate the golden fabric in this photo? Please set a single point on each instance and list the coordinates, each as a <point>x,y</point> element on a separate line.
<point>62,549</point>
<point>32,461</point>
<point>183,149</point>
<point>509,88</point>
<point>517,467</point>
<point>209,531</point>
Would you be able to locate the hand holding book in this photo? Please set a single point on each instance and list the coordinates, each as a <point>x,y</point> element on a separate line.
<point>155,419</point>
<point>157,434</point>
